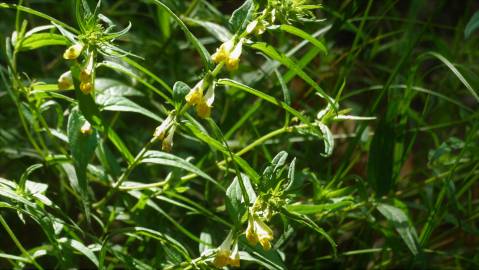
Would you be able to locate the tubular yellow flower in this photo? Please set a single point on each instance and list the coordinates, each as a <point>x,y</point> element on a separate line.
<point>73,51</point>
<point>86,87</point>
<point>203,110</point>
<point>250,232</point>
<point>65,81</point>
<point>223,252</point>
<point>233,60</point>
<point>87,71</point>
<point>196,94</point>
<point>263,232</point>
<point>258,231</point>
<point>222,53</point>
<point>234,258</point>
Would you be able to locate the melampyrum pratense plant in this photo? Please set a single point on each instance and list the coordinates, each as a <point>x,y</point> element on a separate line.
<point>252,211</point>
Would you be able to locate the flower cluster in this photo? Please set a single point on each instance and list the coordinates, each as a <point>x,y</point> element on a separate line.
<point>226,255</point>
<point>65,81</point>
<point>203,102</point>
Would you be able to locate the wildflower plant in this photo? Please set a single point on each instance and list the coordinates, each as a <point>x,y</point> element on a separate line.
<point>193,139</point>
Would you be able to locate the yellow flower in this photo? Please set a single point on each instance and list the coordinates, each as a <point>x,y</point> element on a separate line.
<point>257,230</point>
<point>223,52</point>
<point>86,128</point>
<point>87,71</point>
<point>204,106</point>
<point>196,94</point>
<point>65,81</point>
<point>73,51</point>
<point>222,257</point>
<point>250,232</point>
<point>233,60</point>
<point>264,233</point>
<point>234,258</point>
<point>203,110</point>
<point>86,87</point>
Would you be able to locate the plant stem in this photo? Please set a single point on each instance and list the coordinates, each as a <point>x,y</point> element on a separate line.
<point>18,244</point>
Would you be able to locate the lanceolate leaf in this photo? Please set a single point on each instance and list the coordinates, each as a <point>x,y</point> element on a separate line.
<point>82,148</point>
<point>123,104</point>
<point>240,17</point>
<point>402,224</point>
<point>285,60</point>
<point>381,159</point>
<point>205,56</point>
<point>167,159</point>
<point>39,40</point>
<point>300,33</point>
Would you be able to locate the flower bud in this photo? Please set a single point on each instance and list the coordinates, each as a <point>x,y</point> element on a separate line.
<point>65,81</point>
<point>73,51</point>
<point>160,131</point>
<point>167,143</point>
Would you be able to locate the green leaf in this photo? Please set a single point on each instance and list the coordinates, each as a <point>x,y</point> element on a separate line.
<point>123,104</point>
<point>167,159</point>
<point>381,159</point>
<point>307,209</point>
<point>285,60</point>
<point>110,87</point>
<point>262,95</point>
<point>253,175</point>
<point>26,174</point>
<point>120,145</point>
<point>205,56</point>
<point>328,140</point>
<point>180,90</point>
<point>472,25</point>
<point>80,248</point>
<point>241,16</point>
<point>82,148</point>
<point>402,224</point>
<point>235,202</point>
<point>270,173</point>
<point>163,22</point>
<point>300,33</point>
<point>219,32</point>
<point>292,183</point>
<point>39,40</point>
<point>305,220</point>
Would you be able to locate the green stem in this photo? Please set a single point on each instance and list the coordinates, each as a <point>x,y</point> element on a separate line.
<point>18,244</point>
<point>125,174</point>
